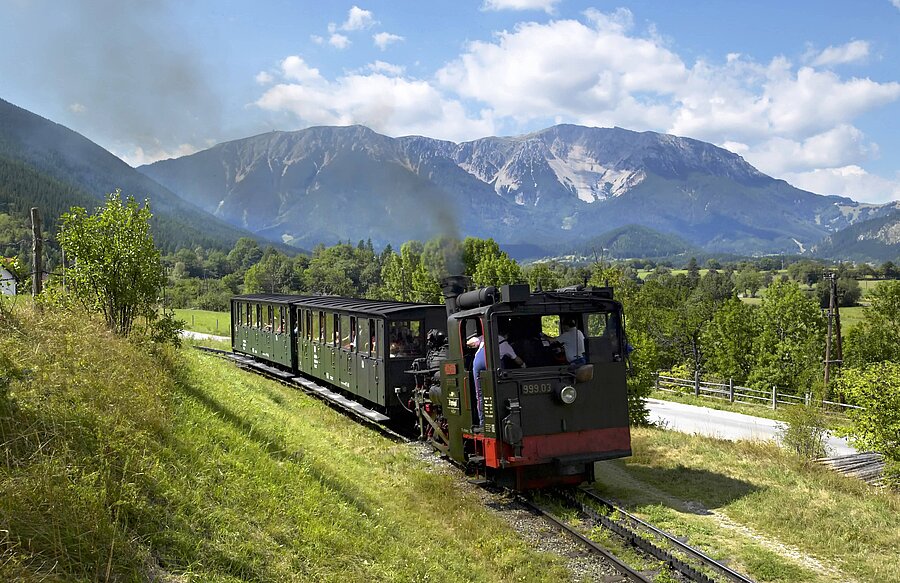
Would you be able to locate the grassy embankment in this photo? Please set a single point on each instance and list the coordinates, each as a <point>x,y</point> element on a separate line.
<point>122,465</point>
<point>775,517</point>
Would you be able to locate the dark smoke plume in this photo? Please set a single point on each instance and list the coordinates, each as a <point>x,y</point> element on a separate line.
<point>134,76</point>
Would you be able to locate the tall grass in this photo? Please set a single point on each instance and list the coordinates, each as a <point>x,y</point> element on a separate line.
<point>81,416</point>
<point>128,464</point>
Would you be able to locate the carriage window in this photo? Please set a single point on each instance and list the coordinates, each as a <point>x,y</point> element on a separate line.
<point>348,332</point>
<point>322,327</point>
<point>249,313</point>
<point>270,318</point>
<point>362,334</point>
<point>330,328</point>
<point>308,327</point>
<point>258,316</point>
<point>407,339</point>
<point>316,328</point>
<point>280,328</point>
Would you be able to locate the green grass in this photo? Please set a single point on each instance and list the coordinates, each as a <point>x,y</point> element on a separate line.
<point>775,517</point>
<point>216,323</point>
<point>146,463</point>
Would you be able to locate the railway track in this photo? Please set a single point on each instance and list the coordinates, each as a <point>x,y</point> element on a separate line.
<point>690,563</point>
<point>679,557</point>
<point>627,572</point>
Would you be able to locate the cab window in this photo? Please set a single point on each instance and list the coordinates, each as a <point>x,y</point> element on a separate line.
<point>604,337</point>
<point>407,339</point>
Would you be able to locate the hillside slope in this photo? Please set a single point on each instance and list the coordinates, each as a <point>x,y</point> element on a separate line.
<point>875,240</point>
<point>125,466</point>
<point>68,169</point>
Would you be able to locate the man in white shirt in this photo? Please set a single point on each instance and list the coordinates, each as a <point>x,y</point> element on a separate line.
<point>572,340</point>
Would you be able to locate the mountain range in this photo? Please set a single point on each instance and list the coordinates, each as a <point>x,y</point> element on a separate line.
<point>560,190</point>
<point>563,185</point>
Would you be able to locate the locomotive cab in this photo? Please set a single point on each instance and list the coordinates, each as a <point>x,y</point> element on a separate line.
<point>547,422</point>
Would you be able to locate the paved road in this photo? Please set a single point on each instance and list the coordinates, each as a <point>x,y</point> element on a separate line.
<point>202,336</point>
<point>725,424</point>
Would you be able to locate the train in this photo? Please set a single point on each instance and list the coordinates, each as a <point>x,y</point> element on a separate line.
<point>541,421</point>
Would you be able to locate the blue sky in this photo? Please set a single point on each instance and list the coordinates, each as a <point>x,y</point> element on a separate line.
<point>808,91</point>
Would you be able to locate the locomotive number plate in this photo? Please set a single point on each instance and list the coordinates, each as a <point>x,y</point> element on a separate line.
<point>536,388</point>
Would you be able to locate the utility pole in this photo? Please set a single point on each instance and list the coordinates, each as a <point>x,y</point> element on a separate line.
<point>37,249</point>
<point>834,328</point>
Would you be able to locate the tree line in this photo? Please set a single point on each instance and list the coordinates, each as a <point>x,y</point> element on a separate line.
<point>689,320</point>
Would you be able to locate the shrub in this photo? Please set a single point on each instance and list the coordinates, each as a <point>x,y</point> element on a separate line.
<point>804,432</point>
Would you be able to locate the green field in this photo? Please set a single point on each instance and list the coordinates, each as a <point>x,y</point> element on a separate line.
<point>216,323</point>
<point>775,517</point>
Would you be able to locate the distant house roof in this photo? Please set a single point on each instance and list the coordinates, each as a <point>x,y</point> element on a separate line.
<point>6,274</point>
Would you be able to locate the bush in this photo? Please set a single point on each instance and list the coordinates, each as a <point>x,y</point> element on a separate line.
<point>804,433</point>
<point>876,426</point>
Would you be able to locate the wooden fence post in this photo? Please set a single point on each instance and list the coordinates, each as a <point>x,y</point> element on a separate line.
<point>807,398</point>
<point>696,383</point>
<point>656,381</point>
<point>774,398</point>
<point>37,246</point>
<point>731,390</point>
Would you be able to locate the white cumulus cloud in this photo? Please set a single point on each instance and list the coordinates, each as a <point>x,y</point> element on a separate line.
<point>339,41</point>
<point>547,6</point>
<point>264,78</point>
<point>386,68</point>
<point>852,181</point>
<point>381,100</point>
<point>358,19</point>
<point>384,39</point>
<point>77,108</point>
<point>139,156</point>
<point>847,53</point>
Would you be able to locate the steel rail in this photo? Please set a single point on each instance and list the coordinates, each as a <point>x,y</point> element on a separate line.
<point>629,573</point>
<point>659,553</point>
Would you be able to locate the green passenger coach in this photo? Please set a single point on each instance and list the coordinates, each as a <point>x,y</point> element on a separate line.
<point>263,327</point>
<point>362,347</point>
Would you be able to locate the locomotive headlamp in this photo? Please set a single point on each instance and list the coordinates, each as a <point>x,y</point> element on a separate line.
<point>568,394</point>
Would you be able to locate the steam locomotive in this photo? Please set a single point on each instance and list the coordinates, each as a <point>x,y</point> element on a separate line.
<point>544,424</point>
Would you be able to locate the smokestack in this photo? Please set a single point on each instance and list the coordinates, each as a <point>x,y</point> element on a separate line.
<point>453,286</point>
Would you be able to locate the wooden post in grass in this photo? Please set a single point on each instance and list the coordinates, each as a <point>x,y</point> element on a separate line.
<point>731,390</point>
<point>696,383</point>
<point>774,398</point>
<point>37,249</point>
<point>656,381</point>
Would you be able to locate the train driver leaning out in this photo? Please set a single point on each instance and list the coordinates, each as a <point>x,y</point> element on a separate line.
<point>572,340</point>
<point>480,364</point>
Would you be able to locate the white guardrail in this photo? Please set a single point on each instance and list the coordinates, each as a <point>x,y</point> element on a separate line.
<point>734,393</point>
